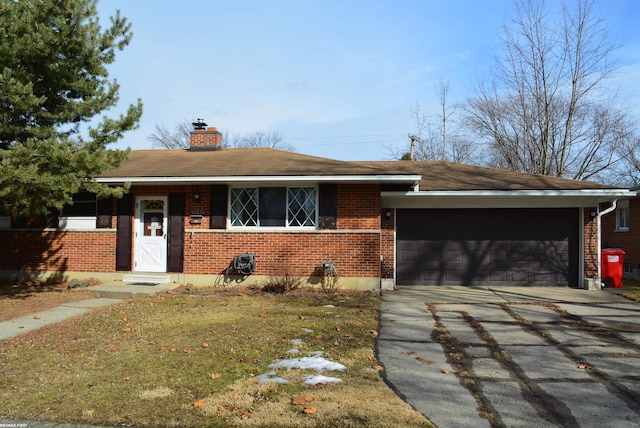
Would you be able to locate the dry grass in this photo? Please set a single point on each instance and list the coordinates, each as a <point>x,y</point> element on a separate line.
<point>18,300</point>
<point>631,289</point>
<point>192,361</point>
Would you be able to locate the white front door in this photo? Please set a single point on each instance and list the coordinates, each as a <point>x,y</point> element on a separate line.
<point>150,249</point>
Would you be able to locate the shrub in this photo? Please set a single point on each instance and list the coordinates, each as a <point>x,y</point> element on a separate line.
<point>282,284</point>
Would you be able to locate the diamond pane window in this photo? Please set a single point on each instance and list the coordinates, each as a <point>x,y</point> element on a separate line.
<point>302,206</point>
<point>244,207</point>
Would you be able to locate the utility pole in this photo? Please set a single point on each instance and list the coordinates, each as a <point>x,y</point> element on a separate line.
<point>413,146</point>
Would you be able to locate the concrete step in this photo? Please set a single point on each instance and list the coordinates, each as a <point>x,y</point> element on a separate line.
<point>146,278</point>
<point>122,290</point>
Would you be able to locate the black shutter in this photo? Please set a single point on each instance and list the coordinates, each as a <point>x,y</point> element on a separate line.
<point>175,243</point>
<point>124,236</point>
<point>219,195</point>
<point>328,206</point>
<point>52,220</point>
<point>103,220</point>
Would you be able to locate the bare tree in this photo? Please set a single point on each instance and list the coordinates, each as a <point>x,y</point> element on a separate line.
<point>267,139</point>
<point>437,137</point>
<point>179,138</point>
<point>548,110</point>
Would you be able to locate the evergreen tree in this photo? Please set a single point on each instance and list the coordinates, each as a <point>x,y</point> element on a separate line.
<point>54,86</point>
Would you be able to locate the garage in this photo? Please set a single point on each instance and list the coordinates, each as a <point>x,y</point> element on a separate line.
<point>491,247</point>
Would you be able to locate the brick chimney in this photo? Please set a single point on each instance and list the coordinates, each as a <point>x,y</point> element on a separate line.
<point>203,138</point>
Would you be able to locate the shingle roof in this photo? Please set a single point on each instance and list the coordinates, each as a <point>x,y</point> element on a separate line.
<point>236,163</point>
<point>448,176</point>
<point>263,162</point>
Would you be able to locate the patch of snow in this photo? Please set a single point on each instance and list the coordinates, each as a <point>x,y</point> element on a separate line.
<point>328,306</point>
<point>293,351</point>
<point>297,341</point>
<point>316,353</point>
<point>319,364</point>
<point>314,380</point>
<point>271,377</point>
<point>307,330</point>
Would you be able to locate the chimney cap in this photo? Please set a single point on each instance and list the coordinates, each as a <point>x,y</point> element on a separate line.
<point>199,124</point>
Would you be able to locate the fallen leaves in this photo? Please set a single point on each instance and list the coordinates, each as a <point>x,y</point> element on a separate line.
<point>584,366</point>
<point>310,410</point>
<point>214,376</point>
<point>198,404</point>
<point>445,371</point>
<point>304,401</point>
<point>301,399</point>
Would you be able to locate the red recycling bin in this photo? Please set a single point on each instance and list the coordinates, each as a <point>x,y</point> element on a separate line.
<point>612,261</point>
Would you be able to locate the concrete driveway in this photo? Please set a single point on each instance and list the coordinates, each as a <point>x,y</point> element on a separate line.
<point>513,356</point>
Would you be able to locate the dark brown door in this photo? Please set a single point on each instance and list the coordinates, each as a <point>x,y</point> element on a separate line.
<point>487,247</point>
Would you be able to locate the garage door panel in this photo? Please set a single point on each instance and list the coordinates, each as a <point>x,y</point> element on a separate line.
<point>487,246</point>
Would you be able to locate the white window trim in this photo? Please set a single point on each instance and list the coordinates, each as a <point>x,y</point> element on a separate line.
<point>286,220</point>
<point>77,223</point>
<point>623,205</point>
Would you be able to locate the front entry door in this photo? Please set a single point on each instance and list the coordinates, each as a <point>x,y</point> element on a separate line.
<point>151,234</point>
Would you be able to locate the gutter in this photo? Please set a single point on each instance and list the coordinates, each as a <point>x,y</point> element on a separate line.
<point>614,203</point>
<point>411,179</point>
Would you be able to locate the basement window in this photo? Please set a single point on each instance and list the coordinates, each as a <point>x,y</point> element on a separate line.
<point>273,207</point>
<point>622,216</point>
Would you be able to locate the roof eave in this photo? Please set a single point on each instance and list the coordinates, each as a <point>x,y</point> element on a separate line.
<point>608,194</point>
<point>503,199</point>
<point>411,179</point>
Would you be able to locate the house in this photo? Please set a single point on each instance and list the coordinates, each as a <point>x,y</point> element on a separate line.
<point>212,216</point>
<point>621,229</point>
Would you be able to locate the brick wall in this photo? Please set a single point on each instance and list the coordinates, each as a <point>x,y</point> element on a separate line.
<point>354,254</point>
<point>387,244</point>
<point>89,251</point>
<point>590,244</point>
<point>358,207</point>
<point>354,247</point>
<point>629,240</point>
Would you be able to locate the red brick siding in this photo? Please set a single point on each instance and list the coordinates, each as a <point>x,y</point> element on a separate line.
<point>590,244</point>
<point>297,253</point>
<point>387,244</point>
<point>358,207</point>
<point>91,251</point>
<point>355,251</point>
<point>629,240</point>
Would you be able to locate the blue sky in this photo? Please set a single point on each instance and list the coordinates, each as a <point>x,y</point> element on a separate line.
<point>338,78</point>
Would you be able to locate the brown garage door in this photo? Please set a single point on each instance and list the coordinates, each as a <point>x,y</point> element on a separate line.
<point>487,247</point>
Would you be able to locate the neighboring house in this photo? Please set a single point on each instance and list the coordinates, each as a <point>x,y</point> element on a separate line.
<point>621,229</point>
<point>190,213</point>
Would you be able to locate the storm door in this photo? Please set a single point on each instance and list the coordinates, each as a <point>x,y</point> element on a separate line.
<point>150,254</point>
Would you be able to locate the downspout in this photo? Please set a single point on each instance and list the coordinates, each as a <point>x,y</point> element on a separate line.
<point>600,214</point>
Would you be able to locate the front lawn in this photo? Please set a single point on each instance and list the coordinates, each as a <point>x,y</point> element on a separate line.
<point>25,298</point>
<point>631,289</point>
<point>206,359</point>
